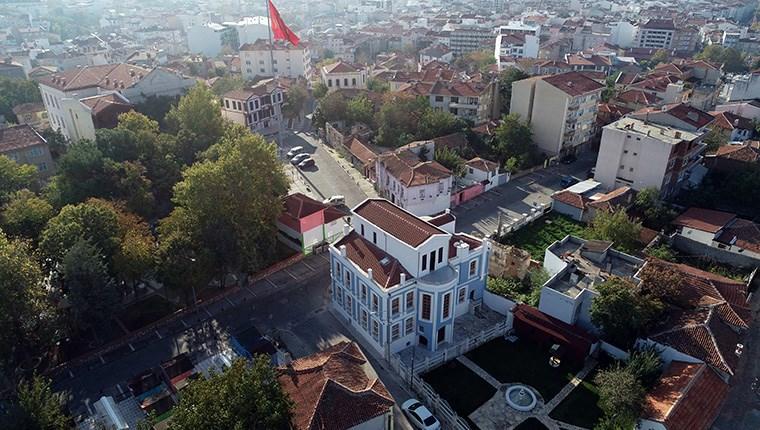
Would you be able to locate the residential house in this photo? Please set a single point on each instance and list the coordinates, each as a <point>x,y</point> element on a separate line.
<point>33,114</point>
<point>11,70</point>
<point>746,108</point>
<point>687,396</point>
<point>306,224</point>
<point>284,60</point>
<point>336,389</point>
<point>475,101</point>
<point>575,267</point>
<point>439,53</point>
<point>485,172</point>
<point>62,92</point>
<point>733,127</point>
<point>641,154</point>
<point>734,157</point>
<point>678,115</point>
<point>583,62</point>
<point>741,87</point>
<point>515,45</point>
<point>22,144</point>
<point>258,108</point>
<point>401,281</point>
<point>655,34</point>
<point>721,236</point>
<point>90,113</point>
<point>361,156</point>
<point>582,200</point>
<point>344,75</point>
<point>411,179</point>
<point>561,110</point>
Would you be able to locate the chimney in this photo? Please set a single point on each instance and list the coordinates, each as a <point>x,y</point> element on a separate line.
<point>402,278</point>
<point>678,135</point>
<point>343,250</point>
<point>736,122</point>
<point>369,273</point>
<point>346,229</point>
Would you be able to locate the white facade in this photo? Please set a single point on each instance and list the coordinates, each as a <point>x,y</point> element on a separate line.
<point>654,38</point>
<point>289,61</point>
<point>344,75</point>
<point>748,109</point>
<point>250,29</point>
<point>741,87</point>
<point>259,109</point>
<point>622,34</point>
<point>207,39</point>
<point>640,155</point>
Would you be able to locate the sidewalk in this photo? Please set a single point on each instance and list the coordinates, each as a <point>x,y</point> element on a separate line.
<point>364,184</point>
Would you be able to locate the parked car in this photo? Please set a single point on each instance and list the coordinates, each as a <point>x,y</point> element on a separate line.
<point>308,162</point>
<point>336,200</point>
<point>419,415</point>
<point>568,181</point>
<point>299,157</point>
<point>294,150</point>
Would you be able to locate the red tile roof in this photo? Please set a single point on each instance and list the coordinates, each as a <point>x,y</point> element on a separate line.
<point>386,270</point>
<point>342,67</point>
<point>688,396</point>
<point>742,233</point>
<point>570,198</point>
<point>397,222</point>
<point>729,121</point>
<point>298,206</point>
<point>456,140</point>
<point>107,76</point>
<point>19,137</point>
<point>359,150</point>
<point>620,197</point>
<point>469,240</point>
<point>407,168</point>
<point>573,83</point>
<point>637,97</point>
<point>748,152</point>
<point>442,219</point>
<point>482,164</point>
<point>332,389</point>
<point>686,113</point>
<point>707,220</point>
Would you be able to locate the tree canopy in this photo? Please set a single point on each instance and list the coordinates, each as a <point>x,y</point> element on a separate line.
<point>25,215</point>
<point>507,77</point>
<point>620,397</point>
<point>14,177</point>
<point>197,121</point>
<point>733,61</point>
<point>622,312</point>
<point>615,226</point>
<point>514,141</point>
<point>38,407</point>
<point>14,92</point>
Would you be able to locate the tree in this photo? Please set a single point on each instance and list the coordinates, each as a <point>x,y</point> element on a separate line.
<point>360,109</point>
<point>621,312</point>
<point>226,84</point>
<point>319,90</point>
<point>334,107</point>
<point>14,177</point>
<point>231,200</point>
<point>91,292</point>
<point>663,252</point>
<point>378,86</point>
<point>295,101</point>
<point>514,139</point>
<point>14,92</point>
<point>733,61</point>
<point>507,77</point>
<point>242,397</point>
<point>25,215</point>
<point>134,258</point>
<point>27,316</point>
<point>157,107</point>
<point>450,160</point>
<point>438,123</point>
<point>660,56</point>
<point>656,213</point>
<point>660,281</point>
<point>38,407</point>
<point>57,142</point>
<point>398,119</point>
<point>620,397</point>
<point>714,139</point>
<point>646,365</point>
<point>475,61</point>
<point>197,121</point>
<point>615,226</point>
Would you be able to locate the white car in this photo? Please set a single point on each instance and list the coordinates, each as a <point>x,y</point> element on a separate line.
<point>293,151</point>
<point>419,415</point>
<point>299,157</point>
<point>336,200</point>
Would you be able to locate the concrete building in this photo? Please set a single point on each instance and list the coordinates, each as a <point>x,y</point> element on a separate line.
<point>679,115</point>
<point>641,154</point>
<point>259,108</point>
<point>561,110</point>
<point>400,281</point>
<point>656,34</point>
<point>344,75</point>
<point>289,61</point>
<point>61,92</point>
<point>439,53</point>
<point>209,38</point>
<point>516,40</point>
<point>467,38</point>
<point>250,29</point>
<point>474,101</point>
<point>411,179</point>
<point>747,108</point>
<point>575,267</point>
<point>23,145</point>
<point>741,87</point>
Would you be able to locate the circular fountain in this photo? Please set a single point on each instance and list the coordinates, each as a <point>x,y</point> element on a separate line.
<point>521,398</point>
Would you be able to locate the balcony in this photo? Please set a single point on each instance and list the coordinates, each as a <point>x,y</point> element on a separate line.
<point>444,277</point>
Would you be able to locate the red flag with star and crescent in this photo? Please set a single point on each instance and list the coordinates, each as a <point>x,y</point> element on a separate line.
<point>280,31</point>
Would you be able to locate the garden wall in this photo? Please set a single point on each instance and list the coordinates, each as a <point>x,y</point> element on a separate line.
<point>499,304</point>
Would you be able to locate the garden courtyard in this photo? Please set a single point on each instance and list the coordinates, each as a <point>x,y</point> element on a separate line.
<point>565,395</point>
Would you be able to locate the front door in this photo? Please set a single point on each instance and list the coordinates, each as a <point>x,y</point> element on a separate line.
<point>441,335</point>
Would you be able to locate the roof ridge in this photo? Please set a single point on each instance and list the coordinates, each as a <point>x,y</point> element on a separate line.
<point>715,342</point>
<point>686,389</point>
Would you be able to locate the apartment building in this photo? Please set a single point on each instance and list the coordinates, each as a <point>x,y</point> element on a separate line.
<point>468,38</point>
<point>656,34</point>
<point>411,179</point>
<point>22,144</point>
<point>561,110</point>
<point>641,154</point>
<point>401,281</point>
<point>62,92</point>
<point>285,60</point>
<point>344,75</point>
<point>259,108</point>
<point>474,101</point>
<point>209,38</point>
<point>678,115</point>
<point>516,40</point>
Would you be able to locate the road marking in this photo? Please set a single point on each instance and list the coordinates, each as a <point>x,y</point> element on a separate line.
<point>131,347</point>
<point>292,275</point>
<point>71,374</point>
<point>229,301</point>
<point>250,291</point>
<point>184,323</point>
<point>524,190</point>
<point>310,268</point>
<point>118,387</point>
<point>207,312</point>
<point>270,282</point>
<point>102,360</point>
<point>158,334</point>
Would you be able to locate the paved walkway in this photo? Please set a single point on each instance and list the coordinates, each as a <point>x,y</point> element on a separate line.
<point>590,364</point>
<point>479,371</point>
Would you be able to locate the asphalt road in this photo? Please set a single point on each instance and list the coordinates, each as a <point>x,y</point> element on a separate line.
<point>326,177</point>
<point>480,216</point>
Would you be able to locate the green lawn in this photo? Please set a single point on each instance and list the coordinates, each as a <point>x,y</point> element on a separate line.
<point>531,423</point>
<point>580,407</point>
<point>461,387</point>
<point>537,236</point>
<point>523,362</point>
<point>146,311</point>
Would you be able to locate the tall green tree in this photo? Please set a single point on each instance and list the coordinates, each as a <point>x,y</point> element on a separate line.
<point>438,123</point>
<point>319,90</point>
<point>450,160</point>
<point>621,397</point>
<point>507,77</point>
<point>295,101</point>
<point>197,121</point>
<point>28,319</point>
<point>14,92</point>
<point>360,109</point>
<point>622,312</point>
<point>226,84</point>
<point>25,215</point>
<point>38,407</point>
<point>514,139</point>
<point>615,226</point>
<point>733,61</point>
<point>14,177</point>
<point>398,119</point>
<point>241,397</point>
<point>135,258</point>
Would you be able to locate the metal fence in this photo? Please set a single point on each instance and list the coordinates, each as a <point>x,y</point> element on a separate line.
<point>439,406</point>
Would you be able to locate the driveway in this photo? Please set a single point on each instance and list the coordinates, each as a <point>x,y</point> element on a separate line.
<point>327,178</point>
<point>480,216</point>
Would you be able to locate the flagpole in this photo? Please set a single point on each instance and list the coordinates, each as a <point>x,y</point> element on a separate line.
<point>274,75</point>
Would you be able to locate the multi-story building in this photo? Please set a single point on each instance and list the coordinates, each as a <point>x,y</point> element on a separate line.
<point>259,108</point>
<point>656,34</point>
<point>467,38</point>
<point>642,154</point>
<point>62,92</point>
<point>561,110</point>
<point>741,87</point>
<point>344,75</point>
<point>284,60</point>
<point>474,101</point>
<point>23,145</point>
<point>209,38</point>
<point>411,179</point>
<point>516,40</point>
<point>401,281</point>
<point>678,115</point>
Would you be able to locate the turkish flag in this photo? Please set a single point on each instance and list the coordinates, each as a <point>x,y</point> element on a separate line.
<point>280,31</point>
